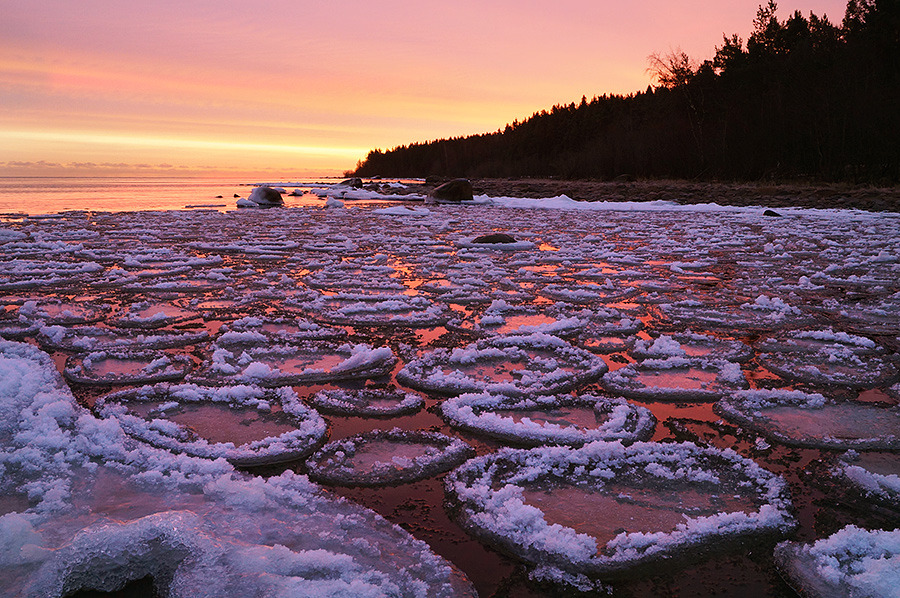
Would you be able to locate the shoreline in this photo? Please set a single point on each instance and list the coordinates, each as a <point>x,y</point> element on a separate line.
<point>772,195</point>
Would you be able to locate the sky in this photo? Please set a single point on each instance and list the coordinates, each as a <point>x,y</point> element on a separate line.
<point>307,87</point>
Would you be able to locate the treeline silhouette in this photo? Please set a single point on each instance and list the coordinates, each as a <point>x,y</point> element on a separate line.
<point>802,97</point>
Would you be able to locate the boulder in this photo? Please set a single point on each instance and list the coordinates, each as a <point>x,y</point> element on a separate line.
<point>266,196</point>
<point>772,213</point>
<point>455,190</point>
<point>354,182</point>
<point>494,238</point>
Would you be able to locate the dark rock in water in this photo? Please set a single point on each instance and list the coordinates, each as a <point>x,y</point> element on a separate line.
<point>354,182</point>
<point>433,180</point>
<point>494,238</point>
<point>218,197</point>
<point>772,213</point>
<point>455,190</point>
<point>236,195</point>
<point>625,178</point>
<point>266,196</point>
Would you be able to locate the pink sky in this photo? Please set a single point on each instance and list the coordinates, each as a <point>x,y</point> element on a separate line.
<point>295,87</point>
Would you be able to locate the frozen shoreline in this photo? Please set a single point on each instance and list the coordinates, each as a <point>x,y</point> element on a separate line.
<point>343,290</point>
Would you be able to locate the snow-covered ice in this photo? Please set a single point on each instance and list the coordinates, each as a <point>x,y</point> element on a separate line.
<point>850,562</point>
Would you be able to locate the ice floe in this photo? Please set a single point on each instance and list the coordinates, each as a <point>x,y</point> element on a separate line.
<point>802,419</point>
<point>244,424</point>
<point>383,457</point>
<point>367,402</point>
<point>536,363</point>
<point>874,474</point>
<point>692,345</point>
<point>850,562</point>
<point>285,365</point>
<point>120,366</point>
<point>659,502</point>
<point>559,419</point>
<point>96,338</point>
<point>676,379</point>
<point>826,357</point>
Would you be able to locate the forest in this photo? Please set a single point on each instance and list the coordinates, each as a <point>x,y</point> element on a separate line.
<point>802,98</point>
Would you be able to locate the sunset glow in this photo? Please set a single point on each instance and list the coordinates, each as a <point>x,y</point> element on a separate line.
<point>281,87</point>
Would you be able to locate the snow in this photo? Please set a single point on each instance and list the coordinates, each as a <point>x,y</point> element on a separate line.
<point>850,562</point>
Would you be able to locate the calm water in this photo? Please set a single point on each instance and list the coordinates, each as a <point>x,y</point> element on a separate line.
<point>49,195</point>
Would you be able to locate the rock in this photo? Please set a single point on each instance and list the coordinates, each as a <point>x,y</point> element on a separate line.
<point>494,238</point>
<point>354,182</point>
<point>772,213</point>
<point>433,180</point>
<point>243,202</point>
<point>266,196</point>
<point>236,195</point>
<point>455,190</point>
<point>333,202</point>
<point>218,197</point>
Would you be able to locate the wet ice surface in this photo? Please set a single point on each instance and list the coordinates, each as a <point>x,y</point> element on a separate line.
<point>221,292</point>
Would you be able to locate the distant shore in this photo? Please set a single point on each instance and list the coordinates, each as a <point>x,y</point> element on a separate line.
<point>806,195</point>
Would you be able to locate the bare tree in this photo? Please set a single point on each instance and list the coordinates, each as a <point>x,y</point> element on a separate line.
<point>672,69</point>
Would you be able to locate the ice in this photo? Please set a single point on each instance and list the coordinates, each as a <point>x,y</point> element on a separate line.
<point>104,511</point>
<point>828,359</point>
<point>380,457</point>
<point>605,508</point>
<point>801,419</point>
<point>536,363</point>
<point>126,367</point>
<point>283,365</point>
<point>147,314</point>
<point>692,345</point>
<point>398,311</point>
<point>95,338</point>
<point>874,474</point>
<point>676,379</point>
<point>244,424</point>
<point>256,279</point>
<point>561,419</point>
<point>850,562</point>
<point>367,402</point>
<point>257,331</point>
